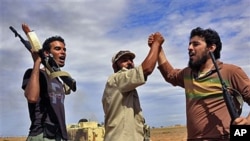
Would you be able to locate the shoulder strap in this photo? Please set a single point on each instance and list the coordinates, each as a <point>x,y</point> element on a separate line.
<point>52,75</point>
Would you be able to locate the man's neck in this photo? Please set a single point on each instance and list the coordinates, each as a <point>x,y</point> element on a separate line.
<point>206,67</point>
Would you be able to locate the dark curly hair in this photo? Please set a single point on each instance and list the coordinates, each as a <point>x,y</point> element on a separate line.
<point>211,37</point>
<point>46,44</point>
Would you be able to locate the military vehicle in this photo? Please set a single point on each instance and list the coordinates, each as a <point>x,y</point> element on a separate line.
<point>85,131</point>
<point>92,131</point>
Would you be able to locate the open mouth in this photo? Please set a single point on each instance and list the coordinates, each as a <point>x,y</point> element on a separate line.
<point>191,54</point>
<point>62,59</point>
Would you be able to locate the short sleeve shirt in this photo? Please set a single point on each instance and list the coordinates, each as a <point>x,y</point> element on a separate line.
<point>48,114</point>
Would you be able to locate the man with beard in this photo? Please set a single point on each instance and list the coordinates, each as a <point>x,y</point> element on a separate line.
<point>123,114</point>
<point>206,111</point>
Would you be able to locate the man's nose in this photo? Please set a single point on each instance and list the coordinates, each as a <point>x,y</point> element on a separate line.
<point>190,47</point>
<point>130,62</point>
<point>63,51</point>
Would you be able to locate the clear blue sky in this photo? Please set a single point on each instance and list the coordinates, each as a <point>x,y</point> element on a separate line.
<point>94,30</point>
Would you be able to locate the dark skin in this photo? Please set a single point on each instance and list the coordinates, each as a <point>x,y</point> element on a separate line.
<point>149,62</point>
<point>58,50</point>
<point>32,89</point>
<point>197,49</point>
<point>125,61</point>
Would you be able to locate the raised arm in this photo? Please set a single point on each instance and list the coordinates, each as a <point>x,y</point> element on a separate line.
<point>164,65</point>
<point>32,89</point>
<point>149,62</point>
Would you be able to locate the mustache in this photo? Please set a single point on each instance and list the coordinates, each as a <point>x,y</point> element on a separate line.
<point>130,66</point>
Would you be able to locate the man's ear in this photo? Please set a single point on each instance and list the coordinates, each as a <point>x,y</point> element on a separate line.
<point>46,53</point>
<point>116,67</point>
<point>212,48</point>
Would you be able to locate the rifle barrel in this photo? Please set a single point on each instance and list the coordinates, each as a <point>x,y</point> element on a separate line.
<point>25,42</point>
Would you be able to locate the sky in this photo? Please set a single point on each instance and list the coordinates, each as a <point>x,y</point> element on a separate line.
<point>94,30</point>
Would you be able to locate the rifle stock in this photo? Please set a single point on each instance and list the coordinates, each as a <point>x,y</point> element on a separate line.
<point>48,62</point>
<point>227,97</point>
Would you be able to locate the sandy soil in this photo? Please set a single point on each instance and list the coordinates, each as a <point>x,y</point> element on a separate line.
<point>176,133</point>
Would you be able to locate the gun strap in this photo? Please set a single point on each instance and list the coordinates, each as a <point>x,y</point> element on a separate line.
<point>36,46</point>
<point>58,74</point>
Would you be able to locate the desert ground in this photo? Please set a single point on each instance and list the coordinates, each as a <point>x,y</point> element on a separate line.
<point>173,133</point>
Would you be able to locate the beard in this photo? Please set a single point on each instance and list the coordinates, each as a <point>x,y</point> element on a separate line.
<point>130,66</point>
<point>196,65</point>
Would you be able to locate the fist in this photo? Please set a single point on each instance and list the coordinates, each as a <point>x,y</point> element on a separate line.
<point>150,40</point>
<point>158,37</point>
<point>155,38</point>
<point>26,28</point>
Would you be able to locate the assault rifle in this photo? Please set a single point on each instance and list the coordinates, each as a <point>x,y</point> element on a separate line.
<point>49,63</point>
<point>25,42</point>
<point>232,109</point>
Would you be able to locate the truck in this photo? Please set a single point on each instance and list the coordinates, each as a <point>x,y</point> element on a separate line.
<point>85,130</point>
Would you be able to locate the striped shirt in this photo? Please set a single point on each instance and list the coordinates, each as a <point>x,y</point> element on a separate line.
<point>206,111</point>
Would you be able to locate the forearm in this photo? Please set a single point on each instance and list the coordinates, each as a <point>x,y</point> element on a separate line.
<point>164,66</point>
<point>149,63</point>
<point>163,63</point>
<point>161,58</point>
<point>248,119</point>
<point>32,90</point>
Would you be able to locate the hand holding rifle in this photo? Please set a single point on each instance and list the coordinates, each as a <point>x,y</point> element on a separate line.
<point>33,45</point>
<point>233,110</point>
<point>34,51</point>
